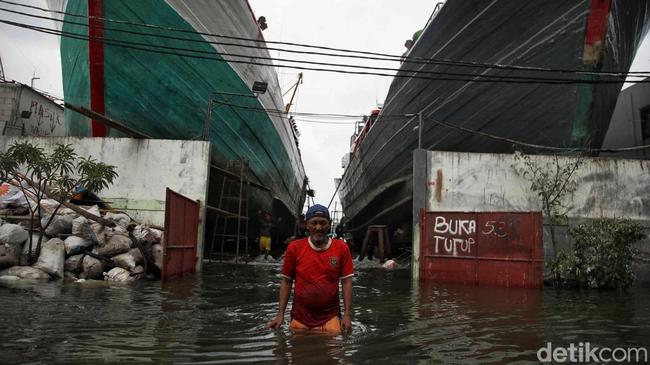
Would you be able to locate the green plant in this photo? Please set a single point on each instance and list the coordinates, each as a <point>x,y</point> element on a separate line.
<point>602,254</point>
<point>552,181</point>
<point>40,175</point>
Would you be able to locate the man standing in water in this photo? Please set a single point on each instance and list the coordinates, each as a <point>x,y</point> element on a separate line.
<point>316,264</point>
<point>265,235</point>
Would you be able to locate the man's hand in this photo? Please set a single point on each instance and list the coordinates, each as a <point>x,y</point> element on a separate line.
<point>277,322</point>
<point>346,323</point>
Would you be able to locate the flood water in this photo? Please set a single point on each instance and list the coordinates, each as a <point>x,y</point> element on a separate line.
<point>220,317</point>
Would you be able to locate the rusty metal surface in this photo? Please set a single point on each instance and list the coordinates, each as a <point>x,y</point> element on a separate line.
<point>500,248</point>
<point>181,235</point>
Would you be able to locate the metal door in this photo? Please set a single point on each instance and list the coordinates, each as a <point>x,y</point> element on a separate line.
<point>487,248</point>
<point>181,235</point>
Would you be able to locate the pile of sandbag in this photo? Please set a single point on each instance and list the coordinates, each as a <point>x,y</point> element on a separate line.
<point>75,247</point>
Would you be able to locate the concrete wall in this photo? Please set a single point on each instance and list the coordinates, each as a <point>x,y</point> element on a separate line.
<point>146,168</point>
<point>469,182</point>
<point>46,117</point>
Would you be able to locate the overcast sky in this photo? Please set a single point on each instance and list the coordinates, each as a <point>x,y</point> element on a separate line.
<point>370,25</point>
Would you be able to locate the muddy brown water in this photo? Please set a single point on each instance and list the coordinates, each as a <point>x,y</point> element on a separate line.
<point>219,317</point>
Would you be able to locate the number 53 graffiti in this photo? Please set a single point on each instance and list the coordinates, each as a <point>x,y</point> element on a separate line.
<point>496,228</point>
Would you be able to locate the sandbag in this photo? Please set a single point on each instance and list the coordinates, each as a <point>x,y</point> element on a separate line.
<point>11,196</point>
<point>118,274</point>
<point>118,230</point>
<point>74,263</point>
<point>119,219</point>
<point>147,249</point>
<point>128,260</point>
<point>61,224</point>
<point>138,271</point>
<point>116,245</point>
<point>147,235</point>
<point>94,210</point>
<point>13,234</point>
<point>98,230</point>
<point>48,206</point>
<point>157,253</point>
<point>25,272</point>
<point>9,255</point>
<point>81,228</point>
<point>75,245</point>
<point>92,268</point>
<point>52,258</point>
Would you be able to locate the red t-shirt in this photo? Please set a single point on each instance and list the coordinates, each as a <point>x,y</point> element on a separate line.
<point>316,275</point>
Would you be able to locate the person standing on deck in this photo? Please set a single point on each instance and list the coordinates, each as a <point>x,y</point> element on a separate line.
<point>316,264</point>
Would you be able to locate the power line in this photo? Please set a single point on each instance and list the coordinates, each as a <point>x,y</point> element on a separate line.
<point>323,122</point>
<point>385,57</point>
<point>482,77</point>
<point>537,146</point>
<point>397,117</point>
<point>484,134</point>
<point>157,49</point>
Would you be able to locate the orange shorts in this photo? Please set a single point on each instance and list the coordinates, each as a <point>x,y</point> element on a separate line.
<point>333,325</point>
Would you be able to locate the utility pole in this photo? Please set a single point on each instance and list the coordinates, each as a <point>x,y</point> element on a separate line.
<point>34,78</point>
<point>2,70</point>
<point>420,130</point>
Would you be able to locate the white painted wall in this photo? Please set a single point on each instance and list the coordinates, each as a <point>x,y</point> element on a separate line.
<point>146,167</point>
<point>488,182</point>
<point>46,118</point>
<point>475,182</point>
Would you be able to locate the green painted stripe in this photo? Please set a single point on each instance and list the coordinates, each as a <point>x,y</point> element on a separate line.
<point>581,131</point>
<point>137,204</point>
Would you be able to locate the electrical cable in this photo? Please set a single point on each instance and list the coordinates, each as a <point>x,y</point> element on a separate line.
<point>484,134</point>
<point>467,77</point>
<point>387,57</point>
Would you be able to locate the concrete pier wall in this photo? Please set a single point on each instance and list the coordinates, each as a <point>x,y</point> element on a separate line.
<point>146,167</point>
<point>480,182</point>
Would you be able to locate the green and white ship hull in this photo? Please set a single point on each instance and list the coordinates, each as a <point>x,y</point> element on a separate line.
<point>150,86</point>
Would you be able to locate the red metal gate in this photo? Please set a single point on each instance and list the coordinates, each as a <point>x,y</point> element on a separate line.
<point>181,235</point>
<point>501,249</point>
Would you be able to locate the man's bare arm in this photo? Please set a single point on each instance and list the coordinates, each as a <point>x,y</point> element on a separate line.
<point>346,323</point>
<point>285,292</point>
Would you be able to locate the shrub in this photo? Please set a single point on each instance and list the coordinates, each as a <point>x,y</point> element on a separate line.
<point>602,254</point>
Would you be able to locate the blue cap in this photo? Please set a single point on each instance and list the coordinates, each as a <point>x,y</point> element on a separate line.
<point>317,210</point>
<point>78,189</point>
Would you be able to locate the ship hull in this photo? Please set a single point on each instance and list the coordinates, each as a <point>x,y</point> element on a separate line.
<point>554,35</point>
<point>157,92</point>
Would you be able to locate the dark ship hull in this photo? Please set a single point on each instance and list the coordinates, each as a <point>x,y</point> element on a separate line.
<point>376,187</point>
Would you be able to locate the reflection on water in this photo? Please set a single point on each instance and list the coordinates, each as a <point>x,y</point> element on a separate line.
<point>220,317</point>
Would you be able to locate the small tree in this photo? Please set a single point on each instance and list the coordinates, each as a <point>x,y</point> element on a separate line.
<point>602,254</point>
<point>552,181</point>
<point>55,176</point>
